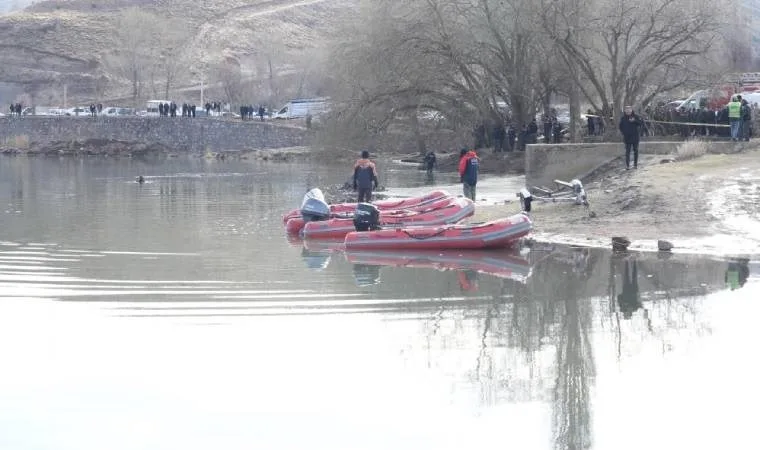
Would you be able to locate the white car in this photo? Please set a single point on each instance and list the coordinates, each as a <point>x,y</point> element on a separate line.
<point>78,111</point>
<point>115,111</point>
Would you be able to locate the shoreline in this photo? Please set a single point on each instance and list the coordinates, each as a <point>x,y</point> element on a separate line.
<point>706,205</point>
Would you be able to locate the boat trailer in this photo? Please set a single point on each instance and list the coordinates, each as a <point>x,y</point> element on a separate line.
<point>572,191</point>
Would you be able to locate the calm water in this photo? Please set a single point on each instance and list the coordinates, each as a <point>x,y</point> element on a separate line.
<point>176,315</point>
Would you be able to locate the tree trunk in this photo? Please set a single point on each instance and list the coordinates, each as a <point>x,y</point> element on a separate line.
<point>575,113</point>
<point>135,87</point>
<point>418,137</point>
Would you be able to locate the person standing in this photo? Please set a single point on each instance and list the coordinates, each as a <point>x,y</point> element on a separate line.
<point>547,121</point>
<point>429,161</point>
<point>365,177</point>
<point>630,128</point>
<point>469,165</point>
<point>746,120</point>
<point>735,116</point>
<point>590,119</point>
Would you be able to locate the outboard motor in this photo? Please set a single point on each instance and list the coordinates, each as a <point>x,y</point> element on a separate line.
<point>366,217</point>
<point>314,207</point>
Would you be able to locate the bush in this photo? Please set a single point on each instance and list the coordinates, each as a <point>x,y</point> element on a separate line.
<point>691,149</point>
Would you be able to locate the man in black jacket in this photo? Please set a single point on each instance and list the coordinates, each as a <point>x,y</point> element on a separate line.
<point>630,128</point>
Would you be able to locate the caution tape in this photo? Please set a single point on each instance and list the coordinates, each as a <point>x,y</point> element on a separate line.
<point>690,123</point>
<point>696,124</point>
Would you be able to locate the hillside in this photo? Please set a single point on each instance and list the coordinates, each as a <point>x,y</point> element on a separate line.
<point>66,42</point>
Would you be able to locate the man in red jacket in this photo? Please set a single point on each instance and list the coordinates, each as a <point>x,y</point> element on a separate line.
<point>469,164</point>
<point>365,177</point>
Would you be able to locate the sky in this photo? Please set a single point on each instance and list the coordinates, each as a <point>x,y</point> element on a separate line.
<point>10,5</point>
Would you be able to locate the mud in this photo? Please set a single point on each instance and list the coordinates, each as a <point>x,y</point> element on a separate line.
<point>705,205</point>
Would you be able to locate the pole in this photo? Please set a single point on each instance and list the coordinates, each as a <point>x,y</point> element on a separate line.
<point>202,92</point>
<point>65,95</point>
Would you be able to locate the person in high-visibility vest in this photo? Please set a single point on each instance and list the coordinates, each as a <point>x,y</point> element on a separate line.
<point>735,117</point>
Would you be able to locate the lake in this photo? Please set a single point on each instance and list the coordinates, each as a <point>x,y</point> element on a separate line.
<point>176,315</point>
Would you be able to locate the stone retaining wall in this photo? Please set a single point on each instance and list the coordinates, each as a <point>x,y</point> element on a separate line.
<point>178,133</point>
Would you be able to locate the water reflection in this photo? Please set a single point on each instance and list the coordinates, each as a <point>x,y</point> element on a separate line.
<point>466,263</point>
<point>316,259</point>
<point>468,280</point>
<point>737,273</point>
<point>628,300</point>
<point>366,274</point>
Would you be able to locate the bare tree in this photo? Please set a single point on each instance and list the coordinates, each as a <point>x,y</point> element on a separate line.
<point>474,61</point>
<point>151,50</point>
<point>629,52</point>
<point>171,58</point>
<point>230,78</point>
<point>134,55</point>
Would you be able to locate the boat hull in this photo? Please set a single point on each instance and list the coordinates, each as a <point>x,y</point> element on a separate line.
<point>501,233</point>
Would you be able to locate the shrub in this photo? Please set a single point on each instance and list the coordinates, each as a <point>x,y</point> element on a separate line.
<point>691,149</point>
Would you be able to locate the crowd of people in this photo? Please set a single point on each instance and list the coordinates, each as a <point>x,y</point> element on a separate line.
<point>170,109</point>
<point>506,137</point>
<point>247,112</point>
<point>15,109</point>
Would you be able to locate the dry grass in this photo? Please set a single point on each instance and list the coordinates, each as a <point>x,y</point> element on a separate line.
<point>19,142</point>
<point>691,149</point>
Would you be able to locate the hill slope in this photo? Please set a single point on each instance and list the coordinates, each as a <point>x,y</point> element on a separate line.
<point>65,42</point>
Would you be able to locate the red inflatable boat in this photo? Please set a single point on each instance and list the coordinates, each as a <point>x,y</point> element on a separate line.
<point>382,205</point>
<point>446,211</point>
<point>495,234</point>
<point>296,224</point>
<point>499,264</point>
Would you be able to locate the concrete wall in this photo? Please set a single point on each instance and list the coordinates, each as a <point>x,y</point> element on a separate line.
<point>181,134</point>
<point>545,163</point>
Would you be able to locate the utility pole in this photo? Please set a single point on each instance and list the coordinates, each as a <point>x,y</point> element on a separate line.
<point>65,96</point>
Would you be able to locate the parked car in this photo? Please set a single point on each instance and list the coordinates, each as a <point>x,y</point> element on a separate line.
<point>117,111</point>
<point>78,111</point>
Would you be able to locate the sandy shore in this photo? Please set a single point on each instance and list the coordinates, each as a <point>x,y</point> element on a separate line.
<point>710,204</point>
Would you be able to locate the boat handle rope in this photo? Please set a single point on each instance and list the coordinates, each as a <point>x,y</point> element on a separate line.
<point>422,238</point>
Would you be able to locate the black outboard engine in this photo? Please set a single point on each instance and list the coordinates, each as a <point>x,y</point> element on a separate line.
<point>314,207</point>
<point>366,217</point>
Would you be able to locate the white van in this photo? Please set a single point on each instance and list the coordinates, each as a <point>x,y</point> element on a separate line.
<point>302,107</point>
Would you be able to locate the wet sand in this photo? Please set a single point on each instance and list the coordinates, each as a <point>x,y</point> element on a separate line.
<point>710,204</point>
